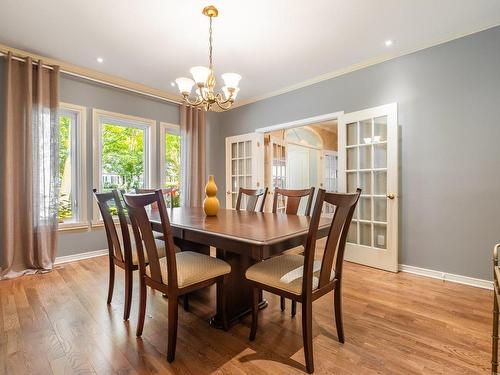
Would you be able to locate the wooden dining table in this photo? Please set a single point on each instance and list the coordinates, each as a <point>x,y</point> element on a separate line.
<point>242,239</point>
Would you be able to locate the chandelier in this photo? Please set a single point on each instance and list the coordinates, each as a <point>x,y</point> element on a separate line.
<point>204,79</point>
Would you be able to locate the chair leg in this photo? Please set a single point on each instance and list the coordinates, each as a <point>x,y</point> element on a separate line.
<point>111,280</point>
<point>142,307</point>
<point>338,313</point>
<point>282,303</point>
<point>255,313</point>
<point>294,308</point>
<point>221,302</point>
<point>173,314</point>
<point>494,346</point>
<point>307,335</point>
<point>129,277</point>
<point>185,302</point>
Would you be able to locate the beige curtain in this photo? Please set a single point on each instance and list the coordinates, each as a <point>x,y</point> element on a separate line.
<point>192,156</point>
<point>29,180</point>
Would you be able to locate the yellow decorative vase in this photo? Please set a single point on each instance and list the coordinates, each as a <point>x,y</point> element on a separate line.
<point>211,203</point>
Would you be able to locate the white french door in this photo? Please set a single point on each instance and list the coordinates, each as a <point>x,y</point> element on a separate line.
<point>244,165</point>
<point>368,159</point>
<point>279,177</point>
<point>330,173</point>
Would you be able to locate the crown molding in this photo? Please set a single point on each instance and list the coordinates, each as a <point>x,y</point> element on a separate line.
<point>94,75</point>
<point>352,68</point>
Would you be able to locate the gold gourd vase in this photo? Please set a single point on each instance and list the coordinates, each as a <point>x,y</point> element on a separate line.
<point>211,203</point>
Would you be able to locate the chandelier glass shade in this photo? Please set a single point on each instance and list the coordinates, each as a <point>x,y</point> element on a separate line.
<point>203,80</point>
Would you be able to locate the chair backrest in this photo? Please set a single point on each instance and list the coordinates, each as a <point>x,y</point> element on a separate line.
<point>293,198</point>
<point>345,204</point>
<point>253,198</point>
<point>104,201</point>
<point>136,206</point>
<point>165,191</point>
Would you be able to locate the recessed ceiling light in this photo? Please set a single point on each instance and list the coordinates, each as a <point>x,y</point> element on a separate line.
<point>172,84</point>
<point>388,43</point>
<point>100,60</point>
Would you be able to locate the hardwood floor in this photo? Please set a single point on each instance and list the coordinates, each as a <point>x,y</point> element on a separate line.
<point>394,324</point>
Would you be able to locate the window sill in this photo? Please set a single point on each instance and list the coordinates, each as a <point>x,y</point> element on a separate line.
<point>75,226</point>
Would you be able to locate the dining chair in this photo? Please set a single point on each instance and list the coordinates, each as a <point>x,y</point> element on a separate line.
<point>303,279</point>
<point>253,198</point>
<point>178,273</point>
<point>167,192</point>
<point>293,198</point>
<point>122,249</point>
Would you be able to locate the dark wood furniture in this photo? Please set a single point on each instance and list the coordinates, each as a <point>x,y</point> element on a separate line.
<point>253,198</point>
<point>242,239</point>
<point>496,297</point>
<point>167,193</point>
<point>177,274</point>
<point>293,198</point>
<point>120,251</point>
<point>301,278</point>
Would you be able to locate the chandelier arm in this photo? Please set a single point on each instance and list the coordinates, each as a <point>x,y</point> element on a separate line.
<point>194,103</point>
<point>221,103</point>
<point>219,99</point>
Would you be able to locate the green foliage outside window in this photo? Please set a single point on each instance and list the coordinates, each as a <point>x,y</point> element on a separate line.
<point>122,157</point>
<point>65,207</point>
<point>173,165</point>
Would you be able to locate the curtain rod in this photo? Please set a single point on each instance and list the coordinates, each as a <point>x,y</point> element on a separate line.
<point>97,80</point>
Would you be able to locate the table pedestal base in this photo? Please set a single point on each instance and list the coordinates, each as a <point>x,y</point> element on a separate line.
<point>215,322</point>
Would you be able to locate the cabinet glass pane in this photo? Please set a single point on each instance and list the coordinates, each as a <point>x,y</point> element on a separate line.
<point>234,197</point>
<point>365,132</point>
<point>240,166</point>
<point>352,183</point>
<point>234,185</point>
<point>365,157</point>
<point>248,148</point>
<point>380,209</point>
<point>352,158</point>
<point>380,236</point>
<point>352,134</point>
<point>352,234</point>
<point>380,129</point>
<point>365,234</point>
<point>380,155</point>
<point>365,182</point>
<point>249,182</point>
<point>241,181</point>
<point>365,209</point>
<point>241,152</point>
<point>380,183</point>
<point>234,153</point>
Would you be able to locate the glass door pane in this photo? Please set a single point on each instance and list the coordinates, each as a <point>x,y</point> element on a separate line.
<point>366,165</point>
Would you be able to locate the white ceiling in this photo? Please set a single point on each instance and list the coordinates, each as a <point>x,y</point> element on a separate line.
<point>273,44</point>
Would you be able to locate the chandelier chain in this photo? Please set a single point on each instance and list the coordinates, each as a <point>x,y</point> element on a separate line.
<point>210,43</point>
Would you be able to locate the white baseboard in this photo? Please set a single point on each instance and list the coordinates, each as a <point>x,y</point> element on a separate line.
<point>445,276</point>
<point>80,256</point>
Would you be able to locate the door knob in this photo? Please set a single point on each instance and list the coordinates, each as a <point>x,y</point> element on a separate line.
<point>228,192</point>
<point>390,196</point>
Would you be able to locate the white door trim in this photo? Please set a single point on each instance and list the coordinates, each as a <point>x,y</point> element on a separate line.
<point>301,122</point>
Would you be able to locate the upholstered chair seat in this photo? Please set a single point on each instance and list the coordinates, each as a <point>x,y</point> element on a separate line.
<point>193,268</point>
<point>284,272</point>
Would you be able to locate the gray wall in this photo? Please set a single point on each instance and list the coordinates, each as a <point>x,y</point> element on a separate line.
<point>449,111</point>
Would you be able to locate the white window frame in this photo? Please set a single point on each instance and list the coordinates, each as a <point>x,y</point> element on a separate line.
<point>79,162</point>
<point>165,128</point>
<point>149,126</point>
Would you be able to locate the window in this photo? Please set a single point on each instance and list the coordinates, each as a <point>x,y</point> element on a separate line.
<point>170,162</point>
<point>72,203</point>
<point>123,152</point>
